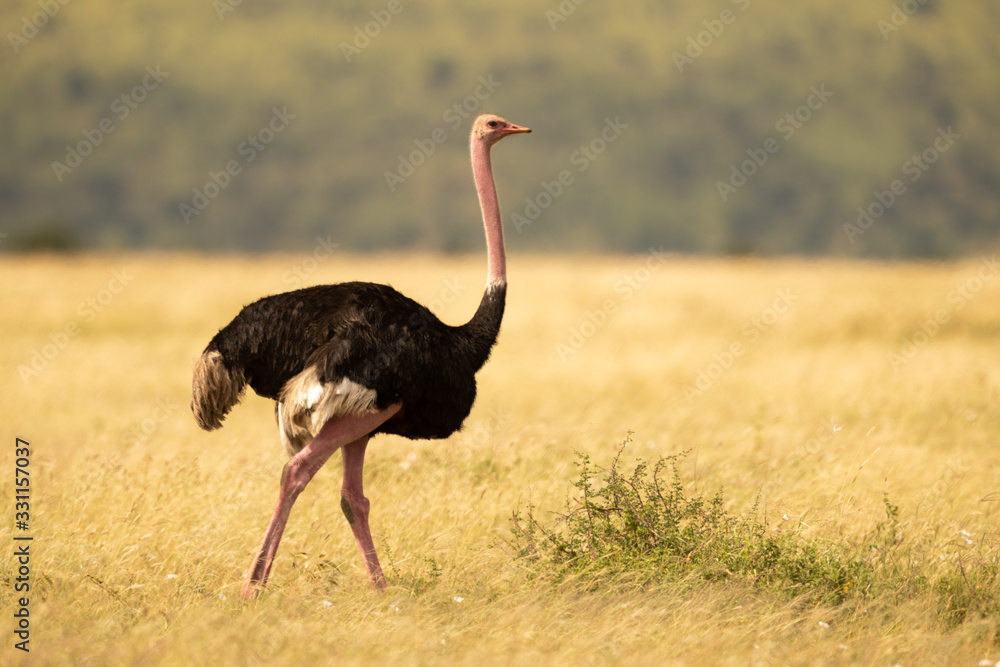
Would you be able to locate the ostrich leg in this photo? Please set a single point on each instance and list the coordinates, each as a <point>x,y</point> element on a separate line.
<point>299,470</point>
<point>355,507</point>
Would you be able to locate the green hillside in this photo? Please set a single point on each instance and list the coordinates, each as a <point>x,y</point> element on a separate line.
<point>719,127</point>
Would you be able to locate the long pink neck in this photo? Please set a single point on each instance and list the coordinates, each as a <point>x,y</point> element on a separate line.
<point>482,172</point>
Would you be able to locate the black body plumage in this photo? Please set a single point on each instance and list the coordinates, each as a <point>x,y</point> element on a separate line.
<point>371,335</point>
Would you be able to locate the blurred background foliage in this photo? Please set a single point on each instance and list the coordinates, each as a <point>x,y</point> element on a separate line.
<point>562,68</point>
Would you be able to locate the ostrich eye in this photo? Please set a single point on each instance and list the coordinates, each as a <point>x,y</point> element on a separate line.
<point>493,124</point>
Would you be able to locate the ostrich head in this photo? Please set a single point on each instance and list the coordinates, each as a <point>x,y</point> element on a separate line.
<point>490,128</point>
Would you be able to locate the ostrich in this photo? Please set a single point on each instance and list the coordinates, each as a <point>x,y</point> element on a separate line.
<point>345,362</point>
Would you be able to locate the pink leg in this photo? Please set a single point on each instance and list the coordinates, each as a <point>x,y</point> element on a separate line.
<point>355,507</point>
<point>299,470</point>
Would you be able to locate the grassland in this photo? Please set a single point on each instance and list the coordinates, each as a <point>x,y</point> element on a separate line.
<point>779,378</point>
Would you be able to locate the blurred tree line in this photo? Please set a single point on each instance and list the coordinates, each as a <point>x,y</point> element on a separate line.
<point>732,126</point>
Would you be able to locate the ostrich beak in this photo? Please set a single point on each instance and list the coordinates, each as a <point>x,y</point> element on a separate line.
<point>517,129</point>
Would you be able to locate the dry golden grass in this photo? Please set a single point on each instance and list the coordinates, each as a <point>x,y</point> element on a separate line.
<point>811,416</point>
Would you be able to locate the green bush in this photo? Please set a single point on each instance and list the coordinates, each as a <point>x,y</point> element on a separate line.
<point>645,524</point>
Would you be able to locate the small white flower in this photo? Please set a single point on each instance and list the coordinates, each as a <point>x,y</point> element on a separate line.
<point>785,517</point>
<point>222,596</point>
<point>410,460</point>
<point>842,647</point>
<point>171,576</point>
<point>458,599</point>
<point>824,624</point>
<point>327,604</point>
